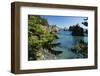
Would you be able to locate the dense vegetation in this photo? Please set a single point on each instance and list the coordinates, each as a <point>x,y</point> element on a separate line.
<point>76,30</point>
<point>39,37</point>
<point>82,48</point>
<point>85,23</point>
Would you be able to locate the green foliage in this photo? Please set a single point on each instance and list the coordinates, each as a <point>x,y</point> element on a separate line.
<point>76,30</point>
<point>38,33</point>
<point>85,23</point>
<point>81,47</point>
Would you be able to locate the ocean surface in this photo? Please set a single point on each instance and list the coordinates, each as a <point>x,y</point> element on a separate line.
<point>67,41</point>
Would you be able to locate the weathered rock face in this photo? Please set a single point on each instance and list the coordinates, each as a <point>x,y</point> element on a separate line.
<point>54,28</point>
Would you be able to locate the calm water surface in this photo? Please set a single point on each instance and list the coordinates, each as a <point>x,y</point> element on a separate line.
<point>67,41</point>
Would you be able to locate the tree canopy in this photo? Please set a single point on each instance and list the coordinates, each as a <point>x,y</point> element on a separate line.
<point>76,30</point>
<point>38,34</point>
